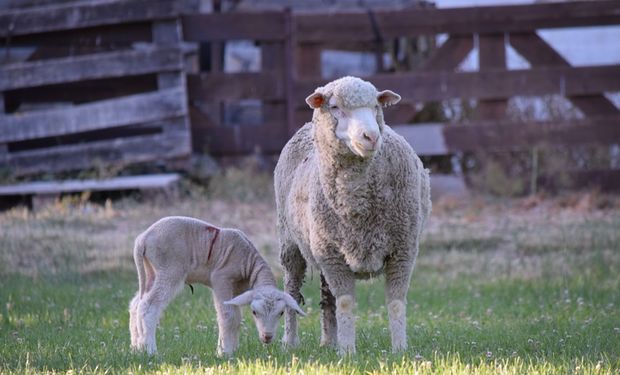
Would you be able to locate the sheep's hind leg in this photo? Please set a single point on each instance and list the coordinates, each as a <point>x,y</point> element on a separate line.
<point>134,322</point>
<point>294,272</point>
<point>329,327</point>
<point>151,307</point>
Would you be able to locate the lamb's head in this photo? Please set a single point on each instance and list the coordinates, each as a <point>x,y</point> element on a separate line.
<point>351,108</point>
<point>268,305</point>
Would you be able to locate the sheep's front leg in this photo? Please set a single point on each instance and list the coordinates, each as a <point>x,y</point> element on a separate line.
<point>342,284</point>
<point>397,278</point>
<point>228,321</point>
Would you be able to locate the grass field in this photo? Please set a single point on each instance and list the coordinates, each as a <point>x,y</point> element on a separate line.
<point>526,286</point>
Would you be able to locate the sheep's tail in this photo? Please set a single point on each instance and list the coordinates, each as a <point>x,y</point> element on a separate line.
<point>425,196</point>
<point>138,257</point>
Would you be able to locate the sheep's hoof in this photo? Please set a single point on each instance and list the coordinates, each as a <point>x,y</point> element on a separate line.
<point>346,350</point>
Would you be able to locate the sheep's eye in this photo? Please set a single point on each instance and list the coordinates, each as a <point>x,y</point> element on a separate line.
<point>281,313</point>
<point>333,107</point>
<point>254,312</point>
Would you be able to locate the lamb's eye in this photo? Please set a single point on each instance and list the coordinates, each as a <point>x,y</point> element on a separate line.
<point>254,312</point>
<point>333,107</point>
<point>281,313</point>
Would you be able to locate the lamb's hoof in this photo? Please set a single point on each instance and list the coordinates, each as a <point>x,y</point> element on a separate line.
<point>399,348</point>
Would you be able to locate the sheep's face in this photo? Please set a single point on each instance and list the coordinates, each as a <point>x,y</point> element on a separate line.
<point>357,128</point>
<point>355,105</point>
<point>267,305</point>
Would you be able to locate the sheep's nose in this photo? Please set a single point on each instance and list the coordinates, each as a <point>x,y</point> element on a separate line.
<point>371,137</point>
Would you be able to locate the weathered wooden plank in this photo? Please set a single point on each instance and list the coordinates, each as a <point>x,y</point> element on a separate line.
<point>74,16</point>
<point>491,84</point>
<point>442,139</point>
<point>539,53</point>
<point>356,26</point>
<point>119,35</point>
<point>173,143</point>
<point>108,113</point>
<point>267,26</point>
<point>450,54</point>
<point>140,182</point>
<point>89,67</point>
<point>84,91</point>
<point>235,86</point>
<point>492,53</point>
<point>504,136</point>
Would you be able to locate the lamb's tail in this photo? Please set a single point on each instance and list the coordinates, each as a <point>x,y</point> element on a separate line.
<point>138,257</point>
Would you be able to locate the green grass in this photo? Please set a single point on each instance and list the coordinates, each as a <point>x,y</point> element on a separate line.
<point>518,295</point>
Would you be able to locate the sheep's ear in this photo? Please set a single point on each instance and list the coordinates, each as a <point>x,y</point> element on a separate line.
<point>291,303</point>
<point>387,98</point>
<point>315,100</point>
<point>242,299</point>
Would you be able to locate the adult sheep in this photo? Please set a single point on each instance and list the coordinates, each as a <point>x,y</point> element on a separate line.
<point>352,199</point>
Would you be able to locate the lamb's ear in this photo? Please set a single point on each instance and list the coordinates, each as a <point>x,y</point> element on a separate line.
<point>291,303</point>
<point>241,299</point>
<point>315,100</point>
<point>387,98</point>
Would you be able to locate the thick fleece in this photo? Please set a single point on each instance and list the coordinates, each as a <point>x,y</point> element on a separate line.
<point>352,217</point>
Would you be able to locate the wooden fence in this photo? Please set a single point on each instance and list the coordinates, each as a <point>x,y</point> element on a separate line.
<point>89,96</point>
<point>300,38</point>
<point>142,89</point>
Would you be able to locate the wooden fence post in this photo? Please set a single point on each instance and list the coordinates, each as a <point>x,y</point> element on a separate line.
<point>492,52</point>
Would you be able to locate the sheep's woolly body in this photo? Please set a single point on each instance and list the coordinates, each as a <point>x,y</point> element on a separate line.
<point>351,217</point>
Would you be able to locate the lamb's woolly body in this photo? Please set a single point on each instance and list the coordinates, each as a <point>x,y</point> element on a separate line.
<point>351,217</point>
<point>178,250</point>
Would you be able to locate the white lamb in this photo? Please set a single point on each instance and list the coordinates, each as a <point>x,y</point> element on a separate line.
<point>177,250</point>
<point>352,199</point>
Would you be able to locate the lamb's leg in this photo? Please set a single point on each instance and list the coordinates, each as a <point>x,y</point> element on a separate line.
<point>133,321</point>
<point>228,320</point>
<point>164,289</point>
<point>397,278</point>
<point>328,315</point>
<point>294,272</point>
<point>342,284</point>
